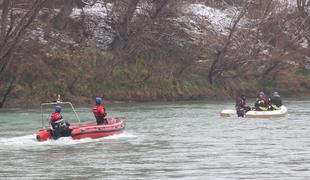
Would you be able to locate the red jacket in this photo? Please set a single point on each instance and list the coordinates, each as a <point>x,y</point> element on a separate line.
<point>99,111</point>
<point>242,102</point>
<point>56,120</point>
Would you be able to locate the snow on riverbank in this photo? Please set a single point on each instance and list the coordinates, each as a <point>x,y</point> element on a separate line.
<point>219,20</point>
<point>97,9</point>
<point>97,22</point>
<point>196,18</point>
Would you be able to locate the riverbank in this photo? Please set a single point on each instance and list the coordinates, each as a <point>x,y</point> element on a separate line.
<point>166,57</point>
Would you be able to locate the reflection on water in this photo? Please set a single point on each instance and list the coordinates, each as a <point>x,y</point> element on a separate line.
<point>165,140</point>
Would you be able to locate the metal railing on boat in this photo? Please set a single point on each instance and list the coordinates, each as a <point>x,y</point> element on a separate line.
<point>58,103</point>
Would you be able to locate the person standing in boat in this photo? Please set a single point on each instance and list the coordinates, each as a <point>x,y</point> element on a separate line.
<point>99,112</point>
<point>58,99</point>
<point>275,102</point>
<point>261,103</point>
<point>241,107</point>
<point>59,126</point>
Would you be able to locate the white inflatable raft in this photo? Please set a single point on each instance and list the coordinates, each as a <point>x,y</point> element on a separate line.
<point>257,114</point>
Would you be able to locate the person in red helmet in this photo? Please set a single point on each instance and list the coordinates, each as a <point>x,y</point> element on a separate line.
<point>59,127</point>
<point>99,112</point>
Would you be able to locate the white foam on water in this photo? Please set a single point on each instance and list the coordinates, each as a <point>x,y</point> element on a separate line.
<point>119,136</point>
<point>70,141</point>
<point>22,140</point>
<point>30,140</point>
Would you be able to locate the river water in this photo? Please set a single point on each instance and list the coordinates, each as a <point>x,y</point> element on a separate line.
<point>184,140</point>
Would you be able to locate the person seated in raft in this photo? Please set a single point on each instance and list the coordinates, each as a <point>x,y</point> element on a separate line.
<point>275,102</point>
<point>241,108</point>
<point>261,103</point>
<point>99,112</point>
<point>60,128</point>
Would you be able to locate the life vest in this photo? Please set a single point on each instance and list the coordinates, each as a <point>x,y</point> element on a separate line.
<point>275,107</point>
<point>276,101</point>
<point>262,101</point>
<point>99,112</point>
<point>242,102</point>
<point>57,120</point>
<point>263,108</point>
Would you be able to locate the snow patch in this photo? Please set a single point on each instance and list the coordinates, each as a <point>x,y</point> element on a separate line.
<point>38,34</point>
<point>290,4</point>
<point>266,52</point>
<point>304,43</point>
<point>97,22</point>
<point>307,62</point>
<point>292,63</point>
<point>96,10</point>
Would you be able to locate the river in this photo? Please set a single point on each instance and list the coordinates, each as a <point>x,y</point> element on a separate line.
<point>179,140</point>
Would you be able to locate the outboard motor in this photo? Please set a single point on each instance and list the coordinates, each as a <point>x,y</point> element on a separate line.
<point>44,135</point>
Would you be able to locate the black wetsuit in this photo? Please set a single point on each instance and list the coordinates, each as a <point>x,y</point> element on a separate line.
<point>60,127</point>
<point>241,108</point>
<point>275,102</point>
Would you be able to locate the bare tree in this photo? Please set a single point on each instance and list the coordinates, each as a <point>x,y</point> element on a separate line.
<point>62,18</point>
<point>301,5</point>
<point>6,93</point>
<point>12,31</point>
<point>157,7</point>
<point>121,16</point>
<point>219,60</point>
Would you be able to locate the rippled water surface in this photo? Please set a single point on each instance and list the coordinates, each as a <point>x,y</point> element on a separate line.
<point>185,140</point>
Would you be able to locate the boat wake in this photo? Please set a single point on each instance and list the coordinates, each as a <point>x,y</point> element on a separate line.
<point>30,140</point>
<point>22,140</point>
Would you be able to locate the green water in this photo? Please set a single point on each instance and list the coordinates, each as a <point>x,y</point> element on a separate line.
<point>185,140</point>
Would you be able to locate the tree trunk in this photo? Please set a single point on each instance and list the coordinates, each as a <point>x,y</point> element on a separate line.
<point>61,20</point>
<point>7,93</point>
<point>4,20</point>
<point>301,4</point>
<point>219,57</point>
<point>158,6</point>
<point>121,22</point>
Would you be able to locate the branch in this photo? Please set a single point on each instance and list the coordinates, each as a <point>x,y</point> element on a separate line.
<point>159,6</point>
<point>89,2</point>
<point>4,19</point>
<point>219,57</point>
<point>15,36</point>
<point>7,93</point>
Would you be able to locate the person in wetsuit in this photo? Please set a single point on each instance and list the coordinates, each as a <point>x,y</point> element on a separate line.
<point>241,107</point>
<point>60,128</point>
<point>275,102</point>
<point>99,112</point>
<point>261,103</point>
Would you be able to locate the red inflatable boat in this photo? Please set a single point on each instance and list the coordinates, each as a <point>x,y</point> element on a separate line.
<point>88,130</point>
<point>85,130</point>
